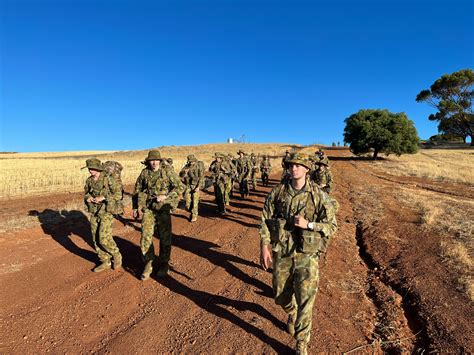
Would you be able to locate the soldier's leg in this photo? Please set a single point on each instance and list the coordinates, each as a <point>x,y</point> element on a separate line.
<point>106,239</point>
<point>254,181</point>
<point>164,232</point>
<point>228,188</point>
<point>220,199</point>
<point>306,281</point>
<point>146,241</point>
<point>187,198</point>
<point>195,205</point>
<point>103,255</point>
<point>283,283</point>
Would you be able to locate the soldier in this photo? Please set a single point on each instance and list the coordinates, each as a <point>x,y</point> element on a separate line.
<point>319,154</point>
<point>244,169</point>
<point>229,188</point>
<point>156,192</point>
<point>169,164</point>
<point>254,171</point>
<point>102,194</point>
<point>322,175</point>
<point>298,220</point>
<point>265,169</point>
<point>221,173</point>
<point>192,176</point>
<point>285,174</point>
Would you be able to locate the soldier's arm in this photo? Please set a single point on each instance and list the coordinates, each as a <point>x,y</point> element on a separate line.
<point>176,187</point>
<point>326,222</point>
<point>267,213</point>
<point>87,195</point>
<point>136,202</point>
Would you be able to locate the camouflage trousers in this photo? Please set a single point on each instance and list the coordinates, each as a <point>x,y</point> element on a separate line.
<point>229,185</point>
<point>244,187</point>
<point>295,284</point>
<point>264,178</point>
<point>254,180</point>
<point>220,192</point>
<point>104,244</point>
<point>192,200</point>
<point>161,222</point>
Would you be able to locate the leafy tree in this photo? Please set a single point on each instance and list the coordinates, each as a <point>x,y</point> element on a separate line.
<point>380,131</point>
<point>452,96</point>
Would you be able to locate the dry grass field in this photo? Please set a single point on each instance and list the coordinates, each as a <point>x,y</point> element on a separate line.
<point>438,164</point>
<point>25,174</point>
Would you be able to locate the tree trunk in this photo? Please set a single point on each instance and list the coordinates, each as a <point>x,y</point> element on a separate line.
<point>376,152</point>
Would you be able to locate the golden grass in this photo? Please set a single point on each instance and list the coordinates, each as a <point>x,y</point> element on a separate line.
<point>439,164</point>
<point>43,173</point>
<point>450,217</point>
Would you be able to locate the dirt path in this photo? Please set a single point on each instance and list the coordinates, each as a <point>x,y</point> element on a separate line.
<point>216,298</point>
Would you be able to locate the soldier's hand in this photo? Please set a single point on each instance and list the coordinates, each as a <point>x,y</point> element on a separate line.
<point>90,200</point>
<point>265,257</point>
<point>99,199</point>
<point>160,198</point>
<point>301,222</point>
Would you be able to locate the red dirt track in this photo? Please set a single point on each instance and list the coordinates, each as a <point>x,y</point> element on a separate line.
<point>383,285</point>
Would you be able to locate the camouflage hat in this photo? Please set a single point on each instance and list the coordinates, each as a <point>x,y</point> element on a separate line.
<point>191,158</point>
<point>323,161</point>
<point>94,164</point>
<point>299,158</point>
<point>169,160</point>
<point>252,155</point>
<point>217,155</point>
<point>240,151</point>
<point>153,155</point>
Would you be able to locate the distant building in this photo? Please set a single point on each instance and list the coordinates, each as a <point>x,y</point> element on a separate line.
<point>230,140</point>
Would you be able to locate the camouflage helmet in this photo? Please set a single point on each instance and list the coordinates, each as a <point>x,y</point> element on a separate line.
<point>153,155</point>
<point>93,164</point>
<point>191,158</point>
<point>299,158</point>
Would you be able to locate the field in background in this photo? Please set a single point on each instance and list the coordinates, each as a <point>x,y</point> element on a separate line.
<point>437,164</point>
<point>23,174</point>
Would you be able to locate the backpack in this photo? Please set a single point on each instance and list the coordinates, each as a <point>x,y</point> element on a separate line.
<point>114,169</point>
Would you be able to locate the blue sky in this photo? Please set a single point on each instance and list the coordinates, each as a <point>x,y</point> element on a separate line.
<point>120,75</point>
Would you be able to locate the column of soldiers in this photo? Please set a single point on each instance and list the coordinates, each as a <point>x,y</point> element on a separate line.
<point>298,218</point>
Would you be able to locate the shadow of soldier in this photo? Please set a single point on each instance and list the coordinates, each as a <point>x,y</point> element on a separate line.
<point>206,250</point>
<point>220,305</point>
<point>61,225</point>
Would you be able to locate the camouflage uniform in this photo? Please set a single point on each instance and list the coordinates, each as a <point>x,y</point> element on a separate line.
<point>230,185</point>
<point>322,176</point>
<point>244,169</point>
<point>156,215</point>
<point>265,169</point>
<point>192,176</point>
<point>221,173</point>
<point>296,251</point>
<point>101,214</point>
<point>254,171</point>
<point>285,174</point>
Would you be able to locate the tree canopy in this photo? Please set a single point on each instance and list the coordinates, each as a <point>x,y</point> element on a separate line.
<point>452,96</point>
<point>380,131</point>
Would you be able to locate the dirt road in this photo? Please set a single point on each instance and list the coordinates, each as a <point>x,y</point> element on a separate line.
<point>382,285</point>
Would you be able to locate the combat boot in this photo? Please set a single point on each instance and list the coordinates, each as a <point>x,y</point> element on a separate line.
<point>194,218</point>
<point>301,347</point>
<point>163,270</point>
<point>104,266</point>
<point>147,271</point>
<point>290,324</point>
<point>117,261</point>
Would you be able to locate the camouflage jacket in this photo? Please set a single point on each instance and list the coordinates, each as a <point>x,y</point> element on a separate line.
<point>244,167</point>
<point>323,178</point>
<point>221,171</point>
<point>282,205</point>
<point>192,175</point>
<point>105,186</point>
<point>150,184</point>
<point>254,162</point>
<point>265,166</point>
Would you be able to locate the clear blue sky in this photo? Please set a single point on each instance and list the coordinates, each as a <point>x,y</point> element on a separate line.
<point>120,75</point>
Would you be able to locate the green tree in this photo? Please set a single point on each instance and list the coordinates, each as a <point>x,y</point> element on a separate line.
<point>380,131</point>
<point>452,96</point>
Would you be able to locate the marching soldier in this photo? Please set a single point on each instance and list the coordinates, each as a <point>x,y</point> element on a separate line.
<point>221,172</point>
<point>298,220</point>
<point>156,193</point>
<point>192,176</point>
<point>265,169</point>
<point>102,195</point>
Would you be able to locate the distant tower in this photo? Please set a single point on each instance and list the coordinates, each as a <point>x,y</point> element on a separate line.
<point>230,140</point>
